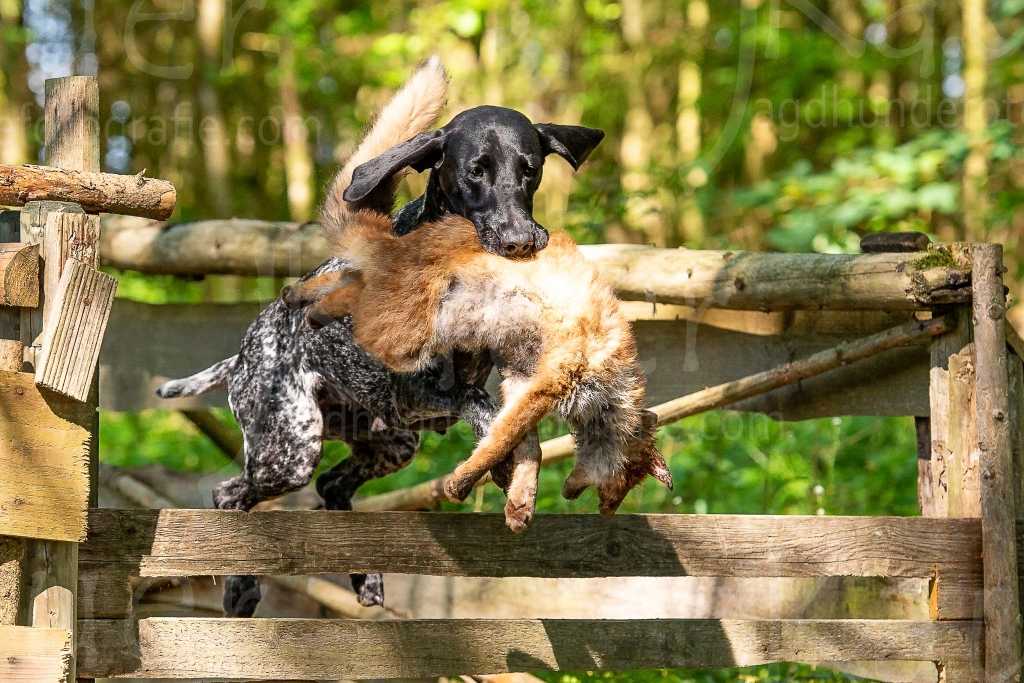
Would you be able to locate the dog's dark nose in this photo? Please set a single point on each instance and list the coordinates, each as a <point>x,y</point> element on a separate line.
<point>520,245</point>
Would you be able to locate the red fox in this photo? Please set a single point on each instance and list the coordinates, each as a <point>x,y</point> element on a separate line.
<point>554,328</point>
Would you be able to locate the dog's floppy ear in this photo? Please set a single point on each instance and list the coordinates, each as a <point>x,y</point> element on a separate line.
<point>420,153</point>
<point>572,143</point>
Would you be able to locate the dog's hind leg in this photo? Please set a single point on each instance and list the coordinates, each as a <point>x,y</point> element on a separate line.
<point>378,455</point>
<point>282,450</point>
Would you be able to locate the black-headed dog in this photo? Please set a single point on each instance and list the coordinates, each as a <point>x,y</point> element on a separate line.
<point>292,386</point>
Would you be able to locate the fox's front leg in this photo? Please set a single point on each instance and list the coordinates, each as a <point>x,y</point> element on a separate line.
<point>526,402</point>
<point>521,493</point>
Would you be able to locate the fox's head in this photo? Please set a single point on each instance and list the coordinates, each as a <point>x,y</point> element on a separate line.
<point>640,458</point>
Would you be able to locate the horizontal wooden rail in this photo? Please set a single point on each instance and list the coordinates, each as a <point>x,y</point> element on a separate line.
<point>95,192</point>
<point>190,542</point>
<point>348,649</point>
<point>720,279</point>
<point>128,543</point>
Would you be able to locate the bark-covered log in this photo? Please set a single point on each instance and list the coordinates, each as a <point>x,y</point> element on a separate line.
<point>219,247</point>
<point>717,279</point>
<point>995,460</point>
<point>95,192</point>
<point>19,274</point>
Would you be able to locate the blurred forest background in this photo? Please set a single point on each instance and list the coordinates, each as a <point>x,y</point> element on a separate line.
<point>794,125</point>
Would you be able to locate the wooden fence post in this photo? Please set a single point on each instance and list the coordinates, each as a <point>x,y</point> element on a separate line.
<point>64,231</point>
<point>995,456</point>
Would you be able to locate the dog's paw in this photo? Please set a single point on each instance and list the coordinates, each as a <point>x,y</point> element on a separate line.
<point>369,589</point>
<point>241,596</point>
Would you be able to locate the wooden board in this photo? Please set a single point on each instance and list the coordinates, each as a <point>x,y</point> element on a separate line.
<point>678,356</point>
<point>37,655</point>
<point>350,649</point>
<point>188,542</point>
<point>74,330</point>
<point>44,459</point>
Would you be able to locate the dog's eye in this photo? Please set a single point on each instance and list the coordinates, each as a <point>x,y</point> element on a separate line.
<point>476,171</point>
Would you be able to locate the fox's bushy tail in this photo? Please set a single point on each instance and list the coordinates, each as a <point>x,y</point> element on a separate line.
<point>412,110</point>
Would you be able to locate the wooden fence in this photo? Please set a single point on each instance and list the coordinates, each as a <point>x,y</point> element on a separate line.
<point>920,333</point>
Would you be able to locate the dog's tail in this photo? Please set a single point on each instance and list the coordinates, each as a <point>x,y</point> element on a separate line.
<point>412,110</point>
<point>211,378</point>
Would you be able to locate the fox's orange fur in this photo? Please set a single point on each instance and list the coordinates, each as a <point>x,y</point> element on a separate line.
<point>555,327</point>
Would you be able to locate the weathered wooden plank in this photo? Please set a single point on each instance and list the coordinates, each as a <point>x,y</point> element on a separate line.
<point>74,330</point>
<point>37,655</point>
<point>963,475</point>
<point>333,649</point>
<point>1002,604</point>
<point>189,542</point>
<point>95,192</point>
<point>19,282</point>
<point>44,475</point>
<point>679,356</point>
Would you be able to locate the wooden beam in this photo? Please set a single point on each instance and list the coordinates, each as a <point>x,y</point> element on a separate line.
<point>74,330</point>
<point>962,466</point>
<point>716,279</point>
<point>190,542</point>
<point>44,475</point>
<point>35,655</point>
<point>350,649</point>
<point>426,495</point>
<point>1002,604</point>
<point>19,274</point>
<point>94,192</point>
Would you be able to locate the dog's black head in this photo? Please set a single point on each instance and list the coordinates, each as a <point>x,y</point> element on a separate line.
<point>485,165</point>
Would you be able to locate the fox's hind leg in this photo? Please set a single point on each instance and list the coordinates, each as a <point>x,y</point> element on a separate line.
<point>516,475</point>
<point>526,402</point>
